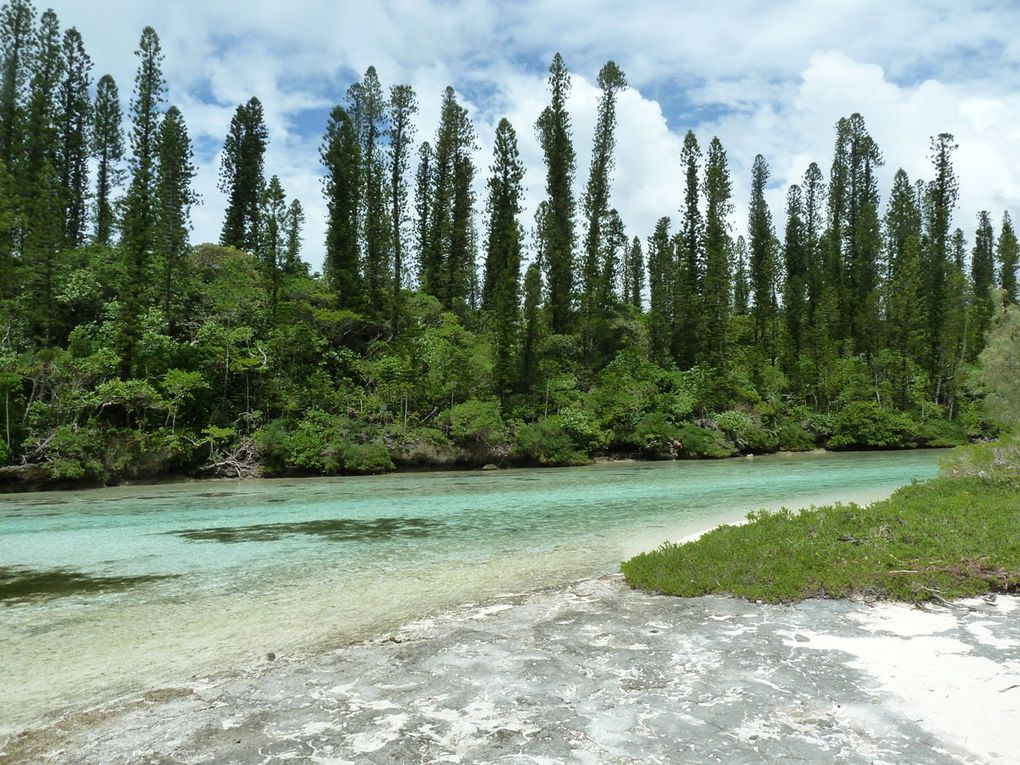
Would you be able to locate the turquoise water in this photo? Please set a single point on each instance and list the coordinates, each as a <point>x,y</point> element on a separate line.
<point>112,591</point>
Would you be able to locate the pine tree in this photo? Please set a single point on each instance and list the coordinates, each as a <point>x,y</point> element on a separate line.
<point>73,123</point>
<point>761,258</point>
<point>423,193</point>
<point>42,196</point>
<point>596,197</point>
<point>175,170</point>
<point>139,223</point>
<point>941,194</point>
<point>634,273</point>
<point>368,111</point>
<point>741,281</point>
<point>1006,253</point>
<point>273,239</point>
<point>402,108</point>
<point>107,143</point>
<point>716,287</point>
<point>813,189</point>
<point>500,292</point>
<point>982,274</point>
<point>17,21</point>
<point>242,176</point>
<point>341,156</point>
<point>556,234</point>
<point>661,266</point>
<point>447,261</point>
<point>614,249</point>
<point>795,283</point>
<point>295,224</point>
<point>687,310</point>
<point>532,326</point>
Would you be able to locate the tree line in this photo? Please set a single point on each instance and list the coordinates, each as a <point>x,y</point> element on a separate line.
<point>127,350</point>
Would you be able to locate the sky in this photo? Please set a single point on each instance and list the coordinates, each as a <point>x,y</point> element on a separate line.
<point>770,78</point>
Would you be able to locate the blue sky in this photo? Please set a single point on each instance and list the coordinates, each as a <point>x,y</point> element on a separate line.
<point>765,77</point>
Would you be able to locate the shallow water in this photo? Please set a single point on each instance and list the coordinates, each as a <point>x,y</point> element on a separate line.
<point>113,591</point>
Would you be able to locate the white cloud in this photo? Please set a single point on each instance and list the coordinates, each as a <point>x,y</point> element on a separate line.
<point>764,77</point>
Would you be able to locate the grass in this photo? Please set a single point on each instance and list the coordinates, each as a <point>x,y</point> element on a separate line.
<point>941,539</point>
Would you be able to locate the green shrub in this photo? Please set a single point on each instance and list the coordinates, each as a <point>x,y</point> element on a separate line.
<point>940,433</point>
<point>745,432</point>
<point>476,423</point>
<point>656,436</point>
<point>548,442</point>
<point>696,441</point>
<point>793,437</point>
<point>5,453</point>
<point>998,460</point>
<point>866,425</point>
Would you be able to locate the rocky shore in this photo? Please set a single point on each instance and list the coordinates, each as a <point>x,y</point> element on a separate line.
<point>595,673</point>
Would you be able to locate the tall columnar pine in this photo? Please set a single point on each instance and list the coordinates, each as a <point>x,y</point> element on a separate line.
<point>175,171</point>
<point>532,326</point>
<point>596,198</point>
<point>500,292</point>
<point>814,194</point>
<point>424,187</point>
<point>403,106</point>
<point>38,178</point>
<point>687,292</point>
<point>107,146</point>
<point>634,274</point>
<point>741,279</point>
<point>447,260</point>
<point>73,122</point>
<point>940,199</point>
<point>1006,253</point>
<point>368,110</point>
<point>242,175</point>
<point>795,281</point>
<point>715,297</point>
<point>17,33</point>
<point>761,264</point>
<point>273,239</point>
<point>341,157</point>
<point>295,225</point>
<point>614,251</point>
<point>556,232</point>
<point>982,274</point>
<point>138,228</point>
<point>661,280</point>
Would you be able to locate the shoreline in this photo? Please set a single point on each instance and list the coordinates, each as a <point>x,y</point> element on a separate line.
<point>10,486</point>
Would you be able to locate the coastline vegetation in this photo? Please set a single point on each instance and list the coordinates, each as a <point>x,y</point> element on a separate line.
<point>954,536</point>
<point>442,331</point>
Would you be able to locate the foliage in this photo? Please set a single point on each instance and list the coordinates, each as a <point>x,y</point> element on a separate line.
<point>549,442</point>
<point>866,425</point>
<point>945,538</point>
<point>476,423</point>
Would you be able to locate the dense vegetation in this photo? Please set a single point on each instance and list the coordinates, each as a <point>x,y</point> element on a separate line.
<point>126,351</point>
<point>953,536</point>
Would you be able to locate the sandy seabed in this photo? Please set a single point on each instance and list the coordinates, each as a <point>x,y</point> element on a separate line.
<point>597,673</point>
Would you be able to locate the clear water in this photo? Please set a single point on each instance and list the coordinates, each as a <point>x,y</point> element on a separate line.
<point>246,568</point>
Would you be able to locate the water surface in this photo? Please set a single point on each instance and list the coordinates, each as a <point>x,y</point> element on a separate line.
<point>112,591</point>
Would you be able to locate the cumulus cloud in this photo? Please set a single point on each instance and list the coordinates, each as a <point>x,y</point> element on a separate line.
<point>766,78</point>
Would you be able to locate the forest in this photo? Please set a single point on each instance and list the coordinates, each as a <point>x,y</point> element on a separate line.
<point>445,329</point>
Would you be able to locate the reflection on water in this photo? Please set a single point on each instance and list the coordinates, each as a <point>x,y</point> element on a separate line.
<point>333,529</point>
<point>18,585</point>
<point>156,584</point>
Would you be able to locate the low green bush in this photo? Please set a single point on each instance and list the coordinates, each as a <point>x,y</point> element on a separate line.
<point>866,425</point>
<point>548,442</point>
<point>695,441</point>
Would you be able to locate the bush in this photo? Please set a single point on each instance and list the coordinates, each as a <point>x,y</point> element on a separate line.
<point>792,437</point>
<point>866,425</point>
<point>548,442</point>
<point>5,453</point>
<point>997,460</point>
<point>477,423</point>
<point>656,436</point>
<point>696,441</point>
<point>745,432</point>
<point>940,433</point>
<point>322,443</point>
